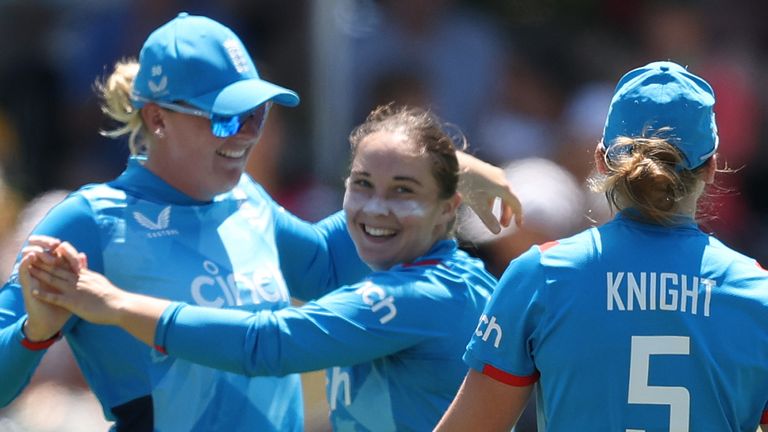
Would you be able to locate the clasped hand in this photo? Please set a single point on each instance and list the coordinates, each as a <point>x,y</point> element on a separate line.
<point>60,278</point>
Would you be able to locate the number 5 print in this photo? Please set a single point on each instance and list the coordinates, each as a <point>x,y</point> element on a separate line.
<point>678,398</point>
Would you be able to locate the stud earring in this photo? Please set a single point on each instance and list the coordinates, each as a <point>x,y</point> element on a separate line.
<point>159,132</point>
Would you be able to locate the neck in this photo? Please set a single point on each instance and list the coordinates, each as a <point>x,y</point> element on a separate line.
<point>178,179</point>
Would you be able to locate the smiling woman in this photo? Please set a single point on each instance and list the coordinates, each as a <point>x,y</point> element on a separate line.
<point>401,192</point>
<point>382,338</point>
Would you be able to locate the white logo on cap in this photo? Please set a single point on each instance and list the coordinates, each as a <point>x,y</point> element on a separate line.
<point>161,86</point>
<point>236,53</point>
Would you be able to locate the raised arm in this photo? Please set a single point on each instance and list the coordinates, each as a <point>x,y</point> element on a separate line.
<point>480,185</point>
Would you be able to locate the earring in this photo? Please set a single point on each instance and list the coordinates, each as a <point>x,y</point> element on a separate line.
<point>159,132</point>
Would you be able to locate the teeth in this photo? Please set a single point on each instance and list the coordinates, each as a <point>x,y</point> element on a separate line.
<point>233,154</point>
<point>378,232</point>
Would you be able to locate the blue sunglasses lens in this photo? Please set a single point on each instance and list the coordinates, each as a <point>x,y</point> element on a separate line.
<point>224,127</point>
<point>227,126</point>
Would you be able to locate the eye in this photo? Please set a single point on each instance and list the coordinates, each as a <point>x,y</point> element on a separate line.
<point>361,182</point>
<point>403,190</point>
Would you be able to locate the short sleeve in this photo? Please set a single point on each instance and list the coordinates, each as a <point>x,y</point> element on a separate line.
<point>501,345</point>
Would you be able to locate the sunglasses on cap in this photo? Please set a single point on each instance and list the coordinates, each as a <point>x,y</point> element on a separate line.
<point>223,126</point>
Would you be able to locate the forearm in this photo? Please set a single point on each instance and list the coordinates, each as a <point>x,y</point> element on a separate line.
<point>212,337</point>
<point>138,315</point>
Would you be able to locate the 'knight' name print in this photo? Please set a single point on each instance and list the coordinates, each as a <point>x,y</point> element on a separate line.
<point>628,291</point>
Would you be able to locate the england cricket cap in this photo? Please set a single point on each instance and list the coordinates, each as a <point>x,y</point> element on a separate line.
<point>203,63</point>
<point>665,95</point>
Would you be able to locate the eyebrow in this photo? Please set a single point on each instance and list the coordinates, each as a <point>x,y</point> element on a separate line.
<point>398,178</point>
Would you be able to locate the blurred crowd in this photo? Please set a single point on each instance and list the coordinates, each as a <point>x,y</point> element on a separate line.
<point>527,82</point>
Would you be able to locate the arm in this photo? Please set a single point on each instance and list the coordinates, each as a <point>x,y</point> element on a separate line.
<point>92,296</point>
<point>340,329</point>
<point>484,404</point>
<point>70,220</point>
<point>316,258</point>
<point>480,184</point>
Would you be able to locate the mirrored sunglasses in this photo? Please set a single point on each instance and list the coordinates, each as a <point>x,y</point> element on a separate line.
<point>224,126</point>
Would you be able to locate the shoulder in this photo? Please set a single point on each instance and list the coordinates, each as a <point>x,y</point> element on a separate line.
<point>448,277</point>
<point>733,264</point>
<point>570,252</point>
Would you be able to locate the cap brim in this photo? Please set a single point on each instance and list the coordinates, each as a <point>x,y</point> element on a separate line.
<point>243,96</point>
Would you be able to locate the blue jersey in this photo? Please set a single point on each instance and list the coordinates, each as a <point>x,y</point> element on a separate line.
<point>631,327</point>
<point>392,343</point>
<point>149,238</point>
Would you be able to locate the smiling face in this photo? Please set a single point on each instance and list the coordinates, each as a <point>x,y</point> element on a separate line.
<point>191,159</point>
<point>392,201</point>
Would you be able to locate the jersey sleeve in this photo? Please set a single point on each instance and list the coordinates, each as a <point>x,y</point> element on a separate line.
<point>351,325</point>
<point>316,258</point>
<point>71,220</point>
<point>501,344</point>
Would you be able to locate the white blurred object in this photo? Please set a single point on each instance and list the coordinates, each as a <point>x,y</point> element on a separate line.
<point>553,202</point>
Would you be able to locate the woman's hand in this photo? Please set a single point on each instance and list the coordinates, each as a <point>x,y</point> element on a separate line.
<point>87,294</point>
<point>44,320</point>
<point>480,185</point>
<point>92,297</point>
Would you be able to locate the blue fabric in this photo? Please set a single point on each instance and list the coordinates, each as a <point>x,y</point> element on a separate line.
<point>665,95</point>
<point>590,312</point>
<point>199,61</point>
<point>392,342</point>
<point>149,238</point>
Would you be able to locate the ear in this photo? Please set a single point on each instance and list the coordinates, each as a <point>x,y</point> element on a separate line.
<point>710,168</point>
<point>153,117</point>
<point>600,158</point>
<point>449,208</point>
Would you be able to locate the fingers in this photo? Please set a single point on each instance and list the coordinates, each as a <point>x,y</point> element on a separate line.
<point>83,259</point>
<point>485,213</point>
<point>66,252</point>
<point>511,206</point>
<point>59,278</point>
<point>51,297</point>
<point>43,241</point>
<point>38,253</point>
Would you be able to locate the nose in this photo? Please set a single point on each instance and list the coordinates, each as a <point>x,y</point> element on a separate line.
<point>376,206</point>
<point>252,125</point>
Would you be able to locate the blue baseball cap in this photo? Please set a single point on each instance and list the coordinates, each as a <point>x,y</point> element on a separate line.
<point>665,95</point>
<point>203,63</point>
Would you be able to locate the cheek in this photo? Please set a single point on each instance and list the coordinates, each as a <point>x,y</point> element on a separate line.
<point>408,209</point>
<point>353,202</point>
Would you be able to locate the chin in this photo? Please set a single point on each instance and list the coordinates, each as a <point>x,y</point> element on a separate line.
<point>376,263</point>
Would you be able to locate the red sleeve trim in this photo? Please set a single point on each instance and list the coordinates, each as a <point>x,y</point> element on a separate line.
<point>764,418</point>
<point>508,378</point>
<point>41,345</point>
<point>548,245</point>
<point>161,349</point>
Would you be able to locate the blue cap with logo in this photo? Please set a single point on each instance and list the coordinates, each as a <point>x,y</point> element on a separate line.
<point>665,95</point>
<point>199,61</point>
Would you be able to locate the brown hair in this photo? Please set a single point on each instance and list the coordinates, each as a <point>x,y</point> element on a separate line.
<point>428,134</point>
<point>643,174</point>
<point>115,93</point>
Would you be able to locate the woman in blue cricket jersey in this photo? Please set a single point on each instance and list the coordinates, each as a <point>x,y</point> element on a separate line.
<point>182,222</point>
<point>392,342</point>
<point>645,323</point>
